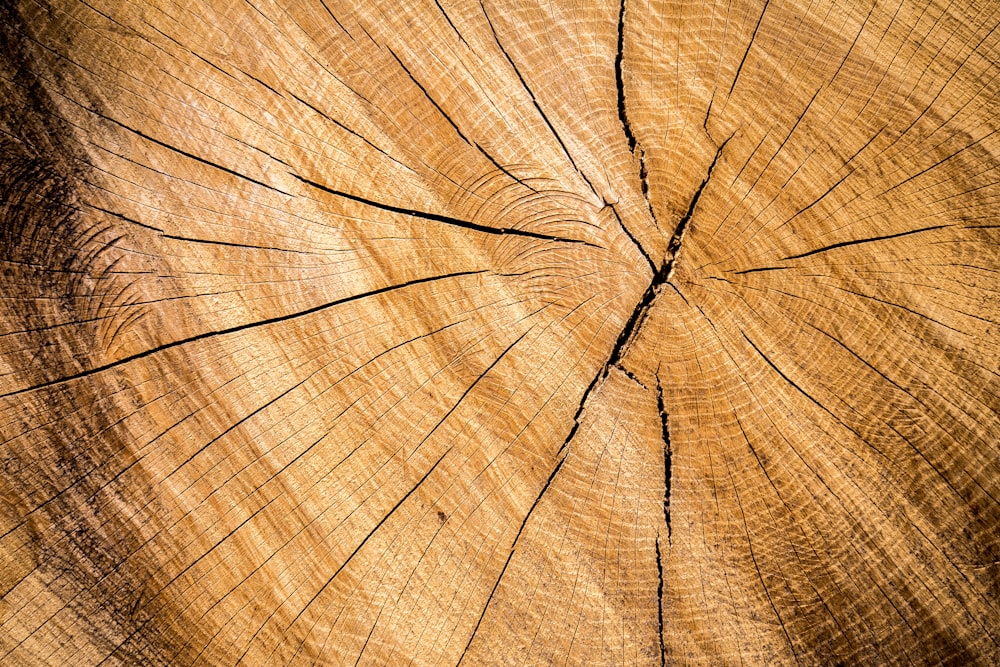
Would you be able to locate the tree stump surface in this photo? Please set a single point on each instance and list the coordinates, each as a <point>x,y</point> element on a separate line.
<point>499,332</point>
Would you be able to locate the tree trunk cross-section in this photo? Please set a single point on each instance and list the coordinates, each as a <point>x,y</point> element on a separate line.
<point>499,332</point>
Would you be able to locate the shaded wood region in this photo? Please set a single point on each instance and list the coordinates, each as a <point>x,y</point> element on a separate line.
<point>499,333</point>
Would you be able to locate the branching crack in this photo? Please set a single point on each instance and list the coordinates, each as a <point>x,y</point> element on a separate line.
<point>632,326</point>
<point>534,100</point>
<point>639,314</point>
<point>630,375</point>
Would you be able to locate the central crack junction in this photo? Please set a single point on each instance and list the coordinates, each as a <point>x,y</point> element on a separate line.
<point>660,277</point>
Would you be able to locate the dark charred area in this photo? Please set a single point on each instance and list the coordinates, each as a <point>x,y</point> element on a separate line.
<point>51,257</point>
<point>54,263</point>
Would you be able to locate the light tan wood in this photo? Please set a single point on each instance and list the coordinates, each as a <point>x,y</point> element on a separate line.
<point>499,333</point>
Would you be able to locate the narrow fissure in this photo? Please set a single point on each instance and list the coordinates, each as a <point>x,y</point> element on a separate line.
<point>638,316</point>
<point>235,329</point>
<point>424,478</point>
<point>444,219</point>
<point>191,156</point>
<point>534,100</point>
<point>644,185</point>
<point>620,80</point>
<point>667,454</point>
<point>510,556</point>
<point>333,120</point>
<point>659,601</point>
<point>632,326</point>
<point>635,242</point>
<point>448,118</point>
<point>429,98</point>
<point>665,272</point>
<point>448,19</point>
<point>675,241</point>
<point>746,53</point>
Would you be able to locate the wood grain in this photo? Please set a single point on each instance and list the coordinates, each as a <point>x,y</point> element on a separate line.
<point>499,332</point>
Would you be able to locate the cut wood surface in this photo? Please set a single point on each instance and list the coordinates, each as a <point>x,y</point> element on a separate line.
<point>499,332</point>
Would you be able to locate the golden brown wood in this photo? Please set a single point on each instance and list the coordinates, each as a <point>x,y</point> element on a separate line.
<point>500,332</point>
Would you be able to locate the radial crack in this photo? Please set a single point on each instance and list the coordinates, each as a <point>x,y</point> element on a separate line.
<point>188,155</point>
<point>235,329</point>
<point>448,19</point>
<point>620,80</point>
<point>635,241</point>
<point>659,601</point>
<point>444,219</point>
<point>644,185</point>
<point>749,46</point>
<point>667,454</point>
<point>510,555</point>
<point>675,241</point>
<point>632,326</point>
<point>534,100</point>
<point>424,478</point>
<point>638,316</point>
<point>844,244</point>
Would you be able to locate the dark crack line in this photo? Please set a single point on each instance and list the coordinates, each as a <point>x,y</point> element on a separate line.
<point>335,19</point>
<point>125,218</point>
<point>429,98</point>
<point>638,316</point>
<point>631,376</point>
<point>659,601</point>
<point>363,542</point>
<point>675,241</point>
<point>620,80</point>
<point>644,185</point>
<point>534,100</point>
<point>662,276</point>
<point>667,453</point>
<point>448,118</point>
<point>808,396</point>
<point>503,169</point>
<point>822,196</point>
<point>760,270</point>
<point>232,244</point>
<point>844,244</point>
<point>231,330</point>
<point>749,46</point>
<point>455,222</point>
<point>632,326</point>
<point>448,19</point>
<point>188,155</point>
<point>348,130</point>
<point>708,115</point>
<point>261,82</point>
<point>510,555</point>
<point>427,474</point>
<point>621,223</point>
